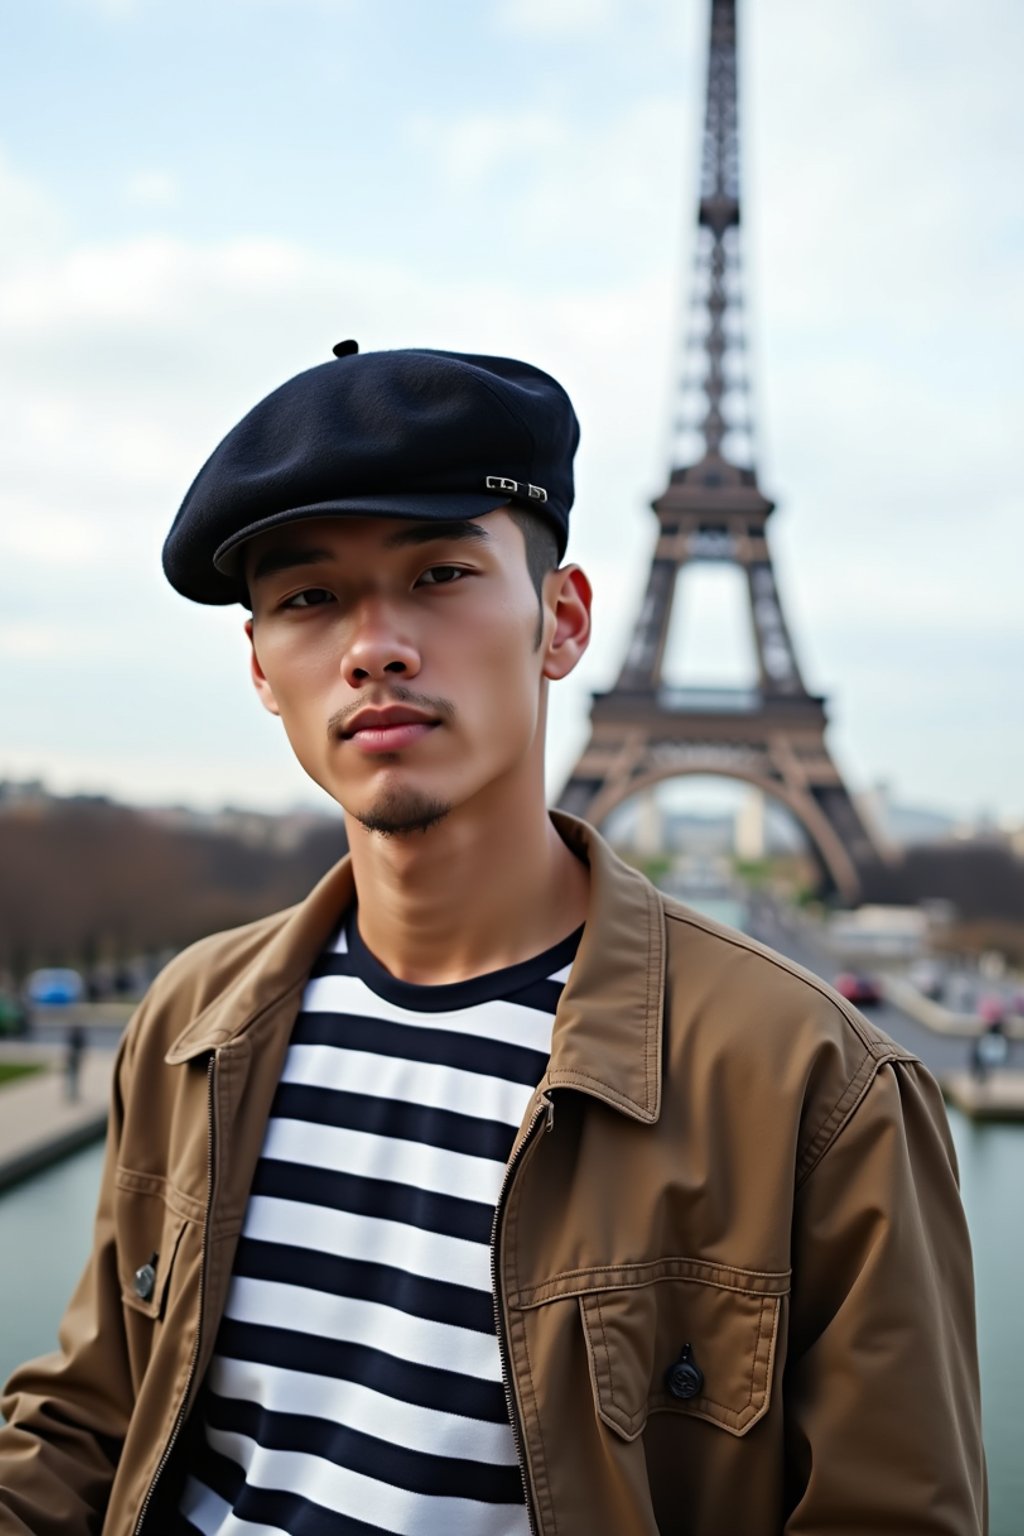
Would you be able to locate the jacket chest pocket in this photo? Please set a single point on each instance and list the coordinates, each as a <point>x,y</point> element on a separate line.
<point>699,1341</point>
<point>151,1222</point>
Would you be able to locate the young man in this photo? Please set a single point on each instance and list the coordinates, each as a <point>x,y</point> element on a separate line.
<point>488,1191</point>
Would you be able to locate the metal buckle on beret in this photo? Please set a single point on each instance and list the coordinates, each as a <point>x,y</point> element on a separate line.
<point>515,487</point>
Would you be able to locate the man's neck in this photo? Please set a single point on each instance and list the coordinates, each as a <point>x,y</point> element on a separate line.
<point>473,894</point>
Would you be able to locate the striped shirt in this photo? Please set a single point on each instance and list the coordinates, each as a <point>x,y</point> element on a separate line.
<point>356,1382</point>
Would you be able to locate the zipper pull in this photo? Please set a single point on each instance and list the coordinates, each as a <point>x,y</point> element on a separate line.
<point>551,1112</point>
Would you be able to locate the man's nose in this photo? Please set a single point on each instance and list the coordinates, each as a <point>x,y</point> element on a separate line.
<point>378,646</point>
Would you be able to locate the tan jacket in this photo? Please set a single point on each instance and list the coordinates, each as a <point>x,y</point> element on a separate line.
<point>733,1272</point>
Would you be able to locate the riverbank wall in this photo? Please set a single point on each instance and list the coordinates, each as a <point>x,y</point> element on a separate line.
<point>39,1122</point>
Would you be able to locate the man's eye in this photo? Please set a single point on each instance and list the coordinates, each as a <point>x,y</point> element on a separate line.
<point>312,597</point>
<point>441,575</point>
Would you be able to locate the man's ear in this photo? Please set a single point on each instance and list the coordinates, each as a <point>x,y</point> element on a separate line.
<point>259,678</point>
<point>567,596</point>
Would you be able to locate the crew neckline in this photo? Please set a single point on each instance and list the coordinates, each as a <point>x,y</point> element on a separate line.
<point>444,997</point>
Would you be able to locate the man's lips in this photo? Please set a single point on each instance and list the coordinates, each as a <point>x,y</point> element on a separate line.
<point>387,730</point>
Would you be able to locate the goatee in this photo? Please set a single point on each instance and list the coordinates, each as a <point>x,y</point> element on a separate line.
<point>402,811</point>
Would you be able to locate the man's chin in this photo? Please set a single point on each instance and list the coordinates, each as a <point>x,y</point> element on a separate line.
<point>401,813</point>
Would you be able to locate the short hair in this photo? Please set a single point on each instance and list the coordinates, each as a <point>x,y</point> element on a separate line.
<point>541,544</point>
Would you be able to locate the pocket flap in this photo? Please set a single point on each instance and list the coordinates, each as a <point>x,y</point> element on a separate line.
<point>145,1270</point>
<point>636,1335</point>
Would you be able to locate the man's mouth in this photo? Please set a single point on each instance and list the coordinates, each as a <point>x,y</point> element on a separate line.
<point>387,730</point>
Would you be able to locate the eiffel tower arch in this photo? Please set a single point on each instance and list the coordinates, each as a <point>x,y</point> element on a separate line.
<point>771,735</point>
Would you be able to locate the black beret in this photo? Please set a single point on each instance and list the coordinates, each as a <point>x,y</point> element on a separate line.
<point>411,433</point>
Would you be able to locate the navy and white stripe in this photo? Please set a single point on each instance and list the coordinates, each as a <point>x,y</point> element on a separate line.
<point>356,1382</point>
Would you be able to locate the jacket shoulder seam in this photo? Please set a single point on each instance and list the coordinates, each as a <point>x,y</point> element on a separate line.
<point>879,1049</point>
<point>845,1108</point>
<point>820,1140</point>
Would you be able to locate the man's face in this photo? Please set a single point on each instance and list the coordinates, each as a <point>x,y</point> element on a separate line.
<point>402,659</point>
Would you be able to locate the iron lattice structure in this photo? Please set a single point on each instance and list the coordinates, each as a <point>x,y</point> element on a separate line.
<point>773,735</point>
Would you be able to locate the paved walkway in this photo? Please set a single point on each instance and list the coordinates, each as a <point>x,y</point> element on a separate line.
<point>38,1123</point>
<point>999,1097</point>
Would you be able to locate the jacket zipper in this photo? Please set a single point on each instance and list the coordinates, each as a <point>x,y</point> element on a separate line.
<point>545,1107</point>
<point>183,1410</point>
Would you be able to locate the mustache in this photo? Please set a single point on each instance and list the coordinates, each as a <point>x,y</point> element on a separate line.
<point>442,709</point>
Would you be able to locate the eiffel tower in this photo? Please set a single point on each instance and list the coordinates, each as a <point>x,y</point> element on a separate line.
<point>773,735</point>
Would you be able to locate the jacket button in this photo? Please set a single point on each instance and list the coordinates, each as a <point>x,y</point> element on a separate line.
<point>144,1280</point>
<point>685,1379</point>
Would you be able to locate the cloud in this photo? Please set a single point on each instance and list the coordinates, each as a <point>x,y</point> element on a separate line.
<point>893,209</point>
<point>152,189</point>
<point>471,148</point>
<point>580,206</point>
<point>544,18</point>
<point>35,534</point>
<point>31,224</point>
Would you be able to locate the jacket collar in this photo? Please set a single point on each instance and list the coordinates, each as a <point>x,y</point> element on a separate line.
<point>607,1032</point>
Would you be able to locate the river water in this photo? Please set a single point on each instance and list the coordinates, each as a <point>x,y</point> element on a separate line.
<point>45,1231</point>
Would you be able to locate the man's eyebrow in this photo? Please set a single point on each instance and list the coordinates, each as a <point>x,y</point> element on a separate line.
<point>430,533</point>
<point>284,557</point>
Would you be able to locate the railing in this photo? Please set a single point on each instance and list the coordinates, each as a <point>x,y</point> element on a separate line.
<point>723,700</point>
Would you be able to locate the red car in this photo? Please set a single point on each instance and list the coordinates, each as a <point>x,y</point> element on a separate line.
<point>857,988</point>
<point>993,1009</point>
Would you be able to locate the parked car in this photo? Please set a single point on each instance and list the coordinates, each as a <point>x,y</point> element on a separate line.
<point>54,987</point>
<point>858,988</point>
<point>992,1008</point>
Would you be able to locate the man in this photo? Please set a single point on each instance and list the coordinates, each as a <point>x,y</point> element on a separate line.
<point>488,1191</point>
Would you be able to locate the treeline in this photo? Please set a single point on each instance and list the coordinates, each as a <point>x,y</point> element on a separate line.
<point>90,882</point>
<point>982,880</point>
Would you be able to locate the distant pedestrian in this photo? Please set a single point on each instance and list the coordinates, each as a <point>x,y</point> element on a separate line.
<point>989,1051</point>
<point>73,1061</point>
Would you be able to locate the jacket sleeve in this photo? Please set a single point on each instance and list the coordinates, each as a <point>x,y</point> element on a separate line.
<point>883,1416</point>
<point>68,1412</point>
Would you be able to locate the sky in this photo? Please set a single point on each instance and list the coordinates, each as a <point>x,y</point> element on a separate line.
<point>197,200</point>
